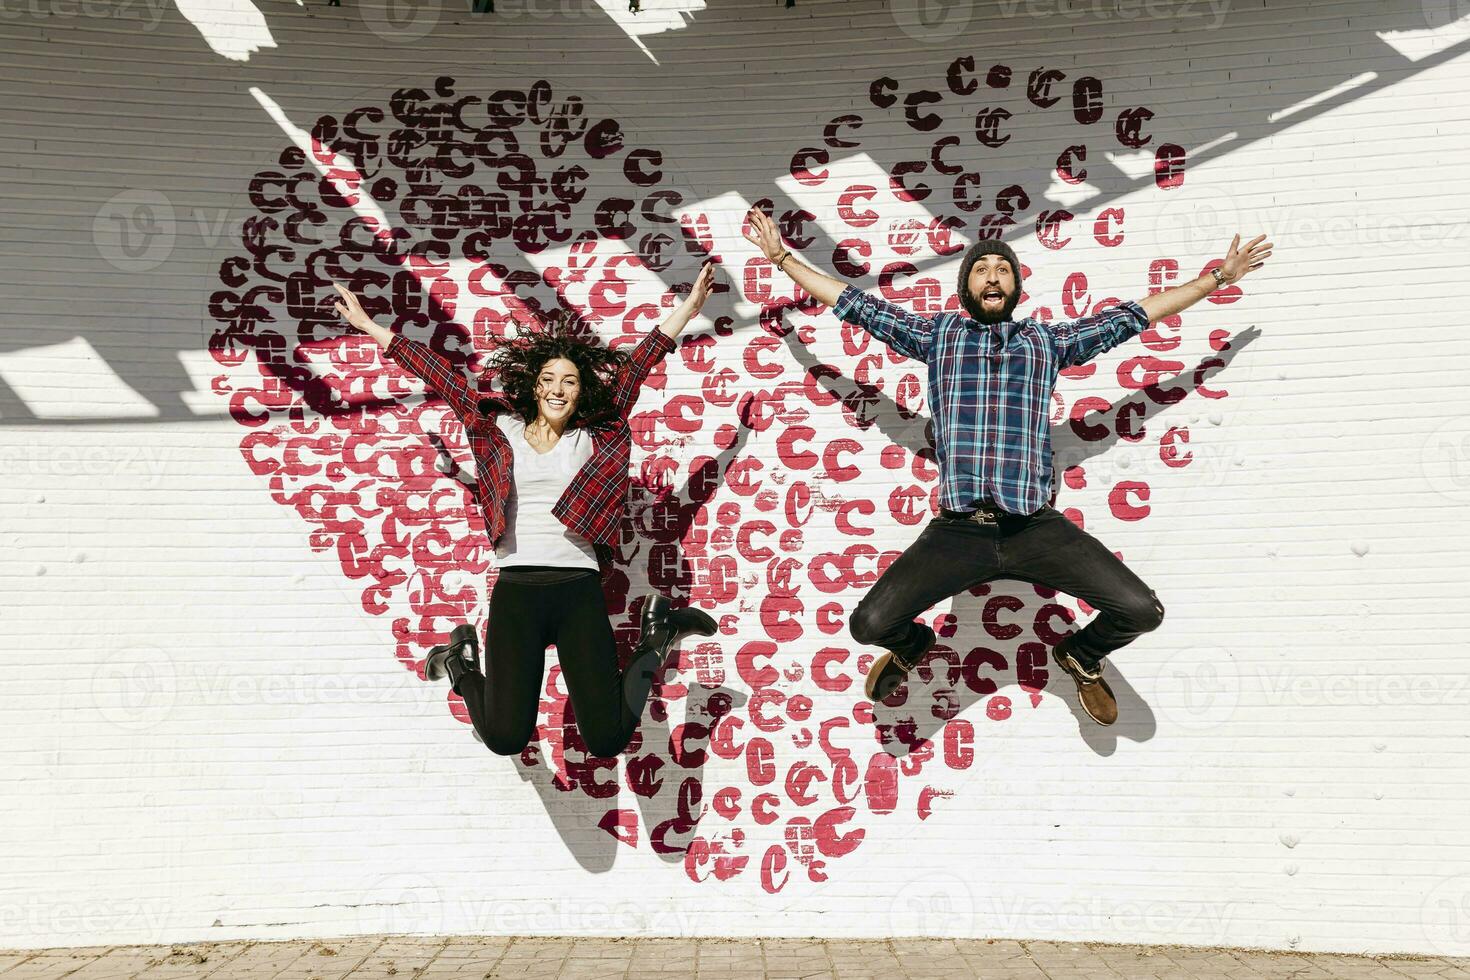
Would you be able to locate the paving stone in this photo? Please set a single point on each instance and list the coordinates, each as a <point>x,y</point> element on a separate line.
<point>46,964</point>
<point>185,962</point>
<point>854,960</point>
<point>467,957</point>
<point>565,958</point>
<point>1427,968</point>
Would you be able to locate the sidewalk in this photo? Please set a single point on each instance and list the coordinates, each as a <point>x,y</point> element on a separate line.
<point>584,959</point>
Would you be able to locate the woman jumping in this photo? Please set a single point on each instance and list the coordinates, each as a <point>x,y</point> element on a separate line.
<point>551,459</point>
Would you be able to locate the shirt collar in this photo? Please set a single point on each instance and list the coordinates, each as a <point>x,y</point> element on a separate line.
<point>1003,331</point>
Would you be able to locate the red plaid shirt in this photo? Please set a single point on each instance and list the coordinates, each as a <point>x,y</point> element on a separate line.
<point>593,504</point>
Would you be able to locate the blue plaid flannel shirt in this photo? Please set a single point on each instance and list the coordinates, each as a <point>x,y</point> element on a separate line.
<point>990,390</point>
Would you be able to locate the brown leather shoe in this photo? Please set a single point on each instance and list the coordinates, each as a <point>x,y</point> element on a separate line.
<point>885,675</point>
<point>1093,692</point>
<point>889,669</point>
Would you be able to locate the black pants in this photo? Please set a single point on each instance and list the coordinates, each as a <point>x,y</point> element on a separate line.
<point>1044,548</point>
<point>531,609</point>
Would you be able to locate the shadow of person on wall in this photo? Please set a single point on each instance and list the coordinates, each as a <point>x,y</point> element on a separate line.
<point>669,751</point>
<point>256,58</point>
<point>950,679</point>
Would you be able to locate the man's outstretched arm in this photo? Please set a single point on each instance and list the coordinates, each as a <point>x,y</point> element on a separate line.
<point>1238,263</point>
<point>765,236</point>
<point>1079,341</point>
<point>904,331</point>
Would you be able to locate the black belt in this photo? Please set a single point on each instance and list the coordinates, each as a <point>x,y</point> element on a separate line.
<point>985,512</point>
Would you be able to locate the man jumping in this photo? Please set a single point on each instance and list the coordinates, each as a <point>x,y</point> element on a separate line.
<point>989,391</point>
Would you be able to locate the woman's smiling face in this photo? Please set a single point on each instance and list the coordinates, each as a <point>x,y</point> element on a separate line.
<point>557,387</point>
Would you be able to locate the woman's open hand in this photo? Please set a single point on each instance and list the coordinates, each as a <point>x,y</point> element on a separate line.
<point>699,291</point>
<point>350,309</point>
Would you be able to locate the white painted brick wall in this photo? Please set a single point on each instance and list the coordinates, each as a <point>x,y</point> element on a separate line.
<point>207,734</point>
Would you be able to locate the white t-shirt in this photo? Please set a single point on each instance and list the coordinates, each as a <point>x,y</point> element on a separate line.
<point>533,535</point>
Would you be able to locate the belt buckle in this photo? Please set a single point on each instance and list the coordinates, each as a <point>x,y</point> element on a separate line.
<point>983,516</point>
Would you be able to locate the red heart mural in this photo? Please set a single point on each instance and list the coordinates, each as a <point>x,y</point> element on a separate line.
<point>768,478</point>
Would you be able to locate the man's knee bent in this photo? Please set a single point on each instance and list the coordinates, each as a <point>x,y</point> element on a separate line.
<point>866,624</point>
<point>1147,614</point>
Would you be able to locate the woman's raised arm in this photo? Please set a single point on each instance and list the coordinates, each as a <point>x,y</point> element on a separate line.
<point>434,370</point>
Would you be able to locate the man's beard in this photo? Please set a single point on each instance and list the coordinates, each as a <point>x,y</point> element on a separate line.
<point>978,312</point>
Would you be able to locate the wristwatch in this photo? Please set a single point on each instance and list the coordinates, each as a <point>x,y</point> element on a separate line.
<point>1220,279</point>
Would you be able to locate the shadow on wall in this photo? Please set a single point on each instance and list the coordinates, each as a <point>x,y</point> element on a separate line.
<point>148,237</point>
<point>495,216</point>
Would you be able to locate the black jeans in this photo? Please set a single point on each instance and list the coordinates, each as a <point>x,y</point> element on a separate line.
<point>529,611</point>
<point>1044,548</point>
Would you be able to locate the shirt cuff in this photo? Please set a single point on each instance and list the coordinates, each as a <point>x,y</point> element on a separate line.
<point>393,345</point>
<point>1137,311</point>
<point>661,340</point>
<point>850,297</point>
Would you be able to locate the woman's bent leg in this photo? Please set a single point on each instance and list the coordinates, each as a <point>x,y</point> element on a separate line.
<point>608,702</point>
<point>503,701</point>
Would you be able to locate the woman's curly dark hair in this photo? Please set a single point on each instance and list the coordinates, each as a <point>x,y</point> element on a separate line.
<point>561,333</point>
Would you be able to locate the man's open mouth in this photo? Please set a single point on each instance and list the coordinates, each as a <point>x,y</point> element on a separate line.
<point>993,294</point>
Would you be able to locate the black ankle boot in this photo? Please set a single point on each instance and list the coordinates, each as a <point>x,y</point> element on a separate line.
<point>664,626</point>
<point>453,658</point>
